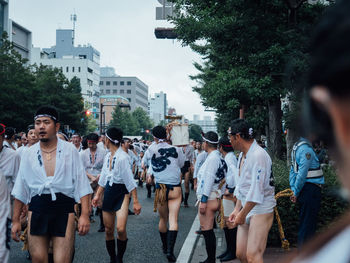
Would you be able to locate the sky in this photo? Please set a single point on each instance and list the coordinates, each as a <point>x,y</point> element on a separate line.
<point>123,32</point>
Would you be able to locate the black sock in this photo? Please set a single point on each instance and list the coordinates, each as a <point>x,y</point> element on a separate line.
<point>110,245</point>
<point>210,244</point>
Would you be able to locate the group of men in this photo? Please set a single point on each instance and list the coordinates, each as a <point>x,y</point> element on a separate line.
<point>58,178</point>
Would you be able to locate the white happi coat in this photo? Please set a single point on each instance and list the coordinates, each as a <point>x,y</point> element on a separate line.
<point>120,173</point>
<point>200,159</point>
<point>9,165</point>
<point>255,183</point>
<point>93,167</point>
<point>232,170</point>
<point>5,222</point>
<point>69,178</point>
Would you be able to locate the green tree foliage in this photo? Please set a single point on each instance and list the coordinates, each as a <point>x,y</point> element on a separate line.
<point>245,46</point>
<point>195,132</point>
<point>143,120</point>
<point>24,88</point>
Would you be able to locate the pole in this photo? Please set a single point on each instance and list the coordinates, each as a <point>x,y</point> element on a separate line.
<point>101,109</point>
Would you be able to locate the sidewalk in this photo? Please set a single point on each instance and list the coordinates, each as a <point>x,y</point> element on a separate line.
<point>197,252</point>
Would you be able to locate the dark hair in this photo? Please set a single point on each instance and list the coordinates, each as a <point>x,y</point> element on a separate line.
<point>9,132</point>
<point>84,143</point>
<point>65,135</point>
<point>242,127</point>
<point>92,137</point>
<point>30,127</point>
<point>17,137</point>
<point>225,143</point>
<point>213,137</point>
<point>159,132</point>
<point>131,147</point>
<point>48,110</point>
<point>114,134</point>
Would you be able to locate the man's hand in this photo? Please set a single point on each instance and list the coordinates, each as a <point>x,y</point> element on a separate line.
<point>293,198</point>
<point>202,208</point>
<point>95,202</point>
<point>233,215</point>
<point>240,218</point>
<point>83,225</point>
<point>16,231</point>
<point>137,208</point>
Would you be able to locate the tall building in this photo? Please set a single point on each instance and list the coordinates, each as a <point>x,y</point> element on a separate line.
<point>207,124</point>
<point>131,88</point>
<point>158,107</point>
<point>21,39</point>
<point>82,62</point>
<point>4,16</point>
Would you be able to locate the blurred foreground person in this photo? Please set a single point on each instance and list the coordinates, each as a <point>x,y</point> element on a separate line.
<point>5,222</point>
<point>328,111</point>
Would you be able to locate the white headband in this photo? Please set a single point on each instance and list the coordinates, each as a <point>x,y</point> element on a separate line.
<point>115,141</point>
<point>159,140</point>
<point>209,140</point>
<point>45,115</point>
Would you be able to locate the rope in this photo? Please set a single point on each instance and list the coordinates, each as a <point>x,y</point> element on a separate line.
<point>220,218</point>
<point>24,238</point>
<point>160,196</point>
<point>284,241</point>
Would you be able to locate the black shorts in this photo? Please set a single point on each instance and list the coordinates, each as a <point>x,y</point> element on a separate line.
<point>50,218</point>
<point>114,197</point>
<point>186,167</point>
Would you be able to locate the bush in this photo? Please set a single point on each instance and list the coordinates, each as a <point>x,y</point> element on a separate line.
<point>332,206</point>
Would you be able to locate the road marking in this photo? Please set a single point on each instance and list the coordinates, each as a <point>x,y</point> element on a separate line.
<point>190,243</point>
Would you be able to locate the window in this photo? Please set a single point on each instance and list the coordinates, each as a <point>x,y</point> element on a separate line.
<point>108,91</point>
<point>115,91</point>
<point>72,69</point>
<point>128,83</point>
<point>101,82</point>
<point>90,70</point>
<point>108,83</point>
<point>67,69</point>
<point>82,56</point>
<point>89,81</point>
<point>128,91</point>
<point>115,83</point>
<point>78,69</point>
<point>122,83</point>
<point>129,99</point>
<point>121,91</point>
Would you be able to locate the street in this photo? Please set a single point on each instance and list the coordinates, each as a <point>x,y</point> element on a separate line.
<point>144,243</point>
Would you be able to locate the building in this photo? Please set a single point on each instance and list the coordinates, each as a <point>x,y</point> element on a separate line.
<point>21,39</point>
<point>109,102</point>
<point>158,107</point>
<point>4,16</point>
<point>207,124</point>
<point>131,88</point>
<point>172,111</point>
<point>82,62</point>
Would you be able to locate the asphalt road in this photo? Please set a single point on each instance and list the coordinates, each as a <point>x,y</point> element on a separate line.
<point>144,243</point>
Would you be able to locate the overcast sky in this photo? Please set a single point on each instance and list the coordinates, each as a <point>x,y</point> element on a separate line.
<point>123,32</point>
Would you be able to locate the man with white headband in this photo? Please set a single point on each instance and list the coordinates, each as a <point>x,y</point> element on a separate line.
<point>166,162</point>
<point>51,179</point>
<point>117,183</point>
<point>255,192</point>
<point>209,192</point>
<point>76,140</point>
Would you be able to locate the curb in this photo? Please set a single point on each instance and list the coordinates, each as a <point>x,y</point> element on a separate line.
<point>189,245</point>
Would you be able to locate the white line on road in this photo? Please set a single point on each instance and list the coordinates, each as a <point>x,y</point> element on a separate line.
<point>189,244</point>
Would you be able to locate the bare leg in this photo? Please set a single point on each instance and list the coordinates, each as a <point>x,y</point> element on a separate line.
<point>109,222</point>
<point>63,246</point>
<point>207,220</point>
<point>122,218</point>
<point>38,245</point>
<point>174,204</point>
<point>163,217</point>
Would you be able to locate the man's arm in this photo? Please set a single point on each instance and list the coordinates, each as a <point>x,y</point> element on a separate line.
<point>84,222</point>
<point>137,206</point>
<point>16,224</point>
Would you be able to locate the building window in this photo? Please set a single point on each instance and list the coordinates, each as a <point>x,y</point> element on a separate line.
<point>101,82</point>
<point>108,91</point>
<point>108,83</point>
<point>89,81</point>
<point>90,70</point>
<point>67,69</point>
<point>115,91</point>
<point>115,83</point>
<point>121,91</point>
<point>122,83</point>
<point>129,99</point>
<point>72,69</point>
<point>128,91</point>
<point>128,83</point>
<point>79,69</point>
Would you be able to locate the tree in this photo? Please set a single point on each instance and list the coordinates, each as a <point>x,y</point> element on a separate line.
<point>245,46</point>
<point>143,120</point>
<point>195,132</point>
<point>124,120</point>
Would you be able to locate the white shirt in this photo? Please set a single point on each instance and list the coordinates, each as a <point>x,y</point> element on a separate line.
<point>336,250</point>
<point>133,158</point>
<point>9,165</point>
<point>93,167</point>
<point>119,173</point>
<point>189,153</point>
<point>69,178</point>
<point>20,150</point>
<point>232,170</point>
<point>199,162</point>
<point>211,174</point>
<point>5,209</point>
<point>255,183</point>
<point>166,162</point>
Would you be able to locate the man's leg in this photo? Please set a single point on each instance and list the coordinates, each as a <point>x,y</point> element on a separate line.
<point>109,222</point>
<point>242,240</point>
<point>63,246</point>
<point>38,245</point>
<point>187,188</point>
<point>257,237</point>
<point>122,218</point>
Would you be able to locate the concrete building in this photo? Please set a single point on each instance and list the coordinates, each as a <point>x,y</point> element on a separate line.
<point>21,39</point>
<point>109,102</point>
<point>207,124</point>
<point>4,16</point>
<point>158,106</point>
<point>131,88</point>
<point>82,62</point>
